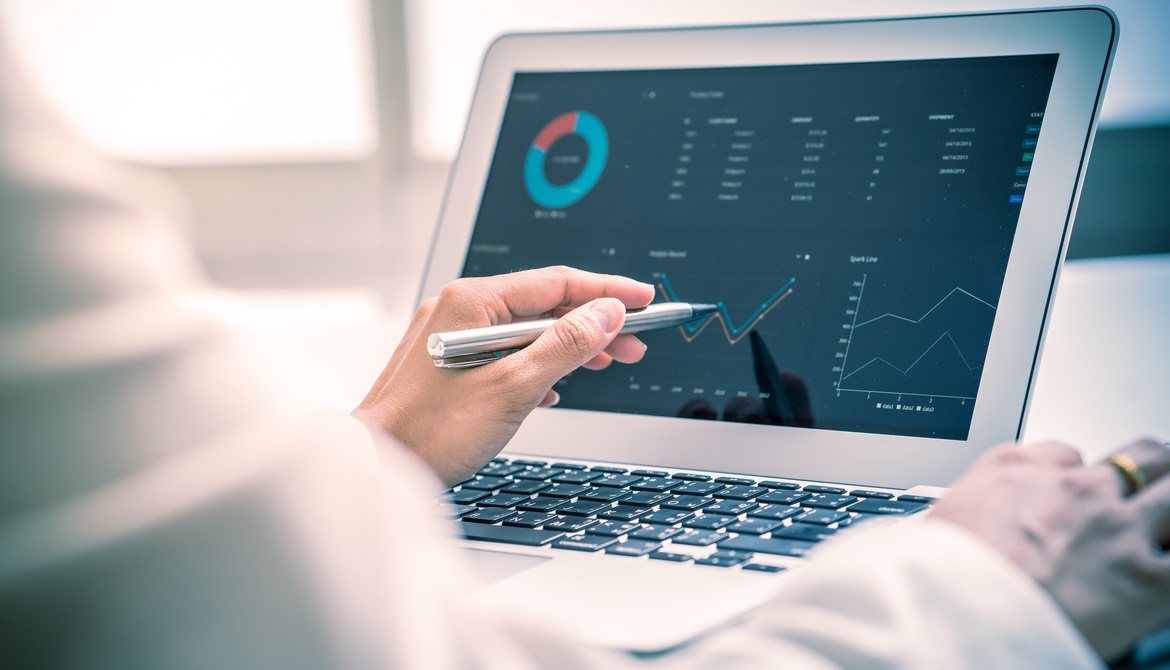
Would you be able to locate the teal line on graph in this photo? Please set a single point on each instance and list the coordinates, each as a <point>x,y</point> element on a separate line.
<point>734,333</point>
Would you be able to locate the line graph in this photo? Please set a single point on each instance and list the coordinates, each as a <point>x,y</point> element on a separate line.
<point>897,361</point>
<point>691,331</point>
<point>928,312</point>
<point>879,359</point>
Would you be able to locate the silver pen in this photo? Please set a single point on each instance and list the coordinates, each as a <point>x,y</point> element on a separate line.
<point>478,346</point>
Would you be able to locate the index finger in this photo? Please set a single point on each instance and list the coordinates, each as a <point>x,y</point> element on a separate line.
<point>539,291</point>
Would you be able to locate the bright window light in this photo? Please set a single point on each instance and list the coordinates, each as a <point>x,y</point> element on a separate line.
<point>448,39</point>
<point>204,81</point>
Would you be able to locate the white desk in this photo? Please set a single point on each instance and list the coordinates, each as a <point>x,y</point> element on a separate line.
<point>1104,378</point>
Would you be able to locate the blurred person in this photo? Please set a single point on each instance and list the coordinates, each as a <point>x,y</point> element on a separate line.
<point>156,510</point>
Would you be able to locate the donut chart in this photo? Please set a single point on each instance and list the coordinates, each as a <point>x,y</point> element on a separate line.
<point>553,196</point>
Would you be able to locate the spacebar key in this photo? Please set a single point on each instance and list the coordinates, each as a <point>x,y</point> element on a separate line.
<point>509,534</point>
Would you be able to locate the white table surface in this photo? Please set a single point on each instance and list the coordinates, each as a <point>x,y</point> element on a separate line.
<point>1104,376</point>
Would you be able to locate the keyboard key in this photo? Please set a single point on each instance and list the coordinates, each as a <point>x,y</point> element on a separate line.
<point>724,558</point>
<point>646,498</point>
<point>569,524</point>
<point>609,469</point>
<point>917,499</point>
<point>822,517</point>
<point>817,488</point>
<point>577,477</point>
<point>528,519</point>
<point>650,531</point>
<point>699,538</point>
<point>612,528</point>
<point>691,476</point>
<point>604,495</point>
<point>633,548</point>
<point>502,500</point>
<point>773,484</point>
<point>779,547</point>
<point>690,503</point>
<point>542,504</point>
<point>736,480</point>
<point>500,470</point>
<point>740,492</point>
<point>510,534</point>
<point>784,497</point>
<point>582,508</point>
<point>569,466</point>
<point>855,519</point>
<point>709,522</point>
<point>488,515</point>
<point>539,473</point>
<point>624,512</point>
<point>648,473</point>
<point>525,461</point>
<point>762,567</point>
<point>824,501</point>
<point>457,511</point>
<point>775,512</point>
<point>526,486</point>
<point>668,556</point>
<point>753,526</point>
<point>487,483</point>
<point>696,488</point>
<point>656,484</point>
<point>875,506</point>
<point>667,517</point>
<point>866,493</point>
<point>732,507</point>
<point>616,481</point>
<point>805,532</point>
<point>467,496</point>
<point>584,542</point>
<point>564,490</point>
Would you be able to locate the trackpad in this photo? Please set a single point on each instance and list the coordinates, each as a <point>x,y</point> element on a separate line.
<point>493,566</point>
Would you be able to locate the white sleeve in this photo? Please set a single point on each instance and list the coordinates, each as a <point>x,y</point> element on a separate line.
<point>921,594</point>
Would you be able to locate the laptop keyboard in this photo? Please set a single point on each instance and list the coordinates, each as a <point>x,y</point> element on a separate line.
<point>683,517</point>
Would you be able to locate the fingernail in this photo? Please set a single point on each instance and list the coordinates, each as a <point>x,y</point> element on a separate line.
<point>649,286</point>
<point>608,312</point>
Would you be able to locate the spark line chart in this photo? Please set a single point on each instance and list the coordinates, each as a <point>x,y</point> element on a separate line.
<point>895,361</point>
<point>690,331</point>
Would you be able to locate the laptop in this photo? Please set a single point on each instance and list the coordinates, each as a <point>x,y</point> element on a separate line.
<point>879,209</point>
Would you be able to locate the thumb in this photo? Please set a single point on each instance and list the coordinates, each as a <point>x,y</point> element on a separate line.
<point>575,339</point>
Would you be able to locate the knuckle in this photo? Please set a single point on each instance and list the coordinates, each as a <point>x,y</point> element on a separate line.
<point>426,307</point>
<point>456,291</point>
<point>1081,485</point>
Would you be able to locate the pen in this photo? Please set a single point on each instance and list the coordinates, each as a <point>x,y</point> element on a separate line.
<point>478,346</point>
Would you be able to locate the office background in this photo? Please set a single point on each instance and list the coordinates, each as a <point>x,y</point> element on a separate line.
<point>310,141</point>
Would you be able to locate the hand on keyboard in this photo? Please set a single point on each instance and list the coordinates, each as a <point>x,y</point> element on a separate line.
<point>457,420</point>
<point>1088,535</point>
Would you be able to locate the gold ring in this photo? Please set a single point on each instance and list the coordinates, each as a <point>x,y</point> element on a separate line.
<point>1129,471</point>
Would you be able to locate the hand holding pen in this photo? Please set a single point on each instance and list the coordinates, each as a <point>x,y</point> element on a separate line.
<point>457,422</point>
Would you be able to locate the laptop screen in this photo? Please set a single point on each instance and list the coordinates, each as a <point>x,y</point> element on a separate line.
<point>852,222</point>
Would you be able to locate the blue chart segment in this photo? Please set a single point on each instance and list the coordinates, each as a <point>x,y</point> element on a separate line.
<point>554,196</point>
<point>939,353</point>
<point>734,333</point>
